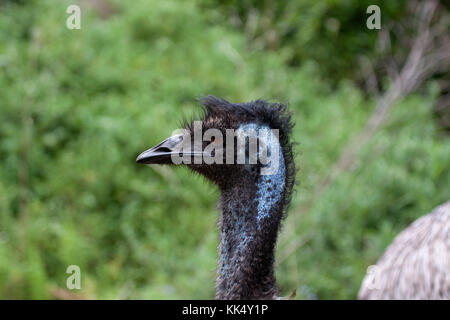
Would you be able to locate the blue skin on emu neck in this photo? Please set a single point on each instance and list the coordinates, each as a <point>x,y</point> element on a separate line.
<point>269,187</point>
<point>268,194</point>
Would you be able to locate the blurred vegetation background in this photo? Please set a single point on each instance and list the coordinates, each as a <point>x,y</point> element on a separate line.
<point>77,106</point>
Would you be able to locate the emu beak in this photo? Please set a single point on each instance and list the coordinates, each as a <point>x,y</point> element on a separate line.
<point>161,153</point>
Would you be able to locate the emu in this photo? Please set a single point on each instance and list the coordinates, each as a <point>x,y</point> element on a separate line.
<point>252,206</point>
<point>416,265</point>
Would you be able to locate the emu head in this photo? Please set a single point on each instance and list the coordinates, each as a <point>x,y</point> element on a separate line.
<point>231,143</point>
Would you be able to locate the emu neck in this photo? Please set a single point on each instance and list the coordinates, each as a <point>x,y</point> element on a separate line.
<point>249,223</point>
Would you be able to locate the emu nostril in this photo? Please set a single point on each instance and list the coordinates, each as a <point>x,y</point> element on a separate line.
<point>163,149</point>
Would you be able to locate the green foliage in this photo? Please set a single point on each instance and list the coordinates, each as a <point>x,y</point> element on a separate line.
<point>78,106</point>
<point>332,33</point>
